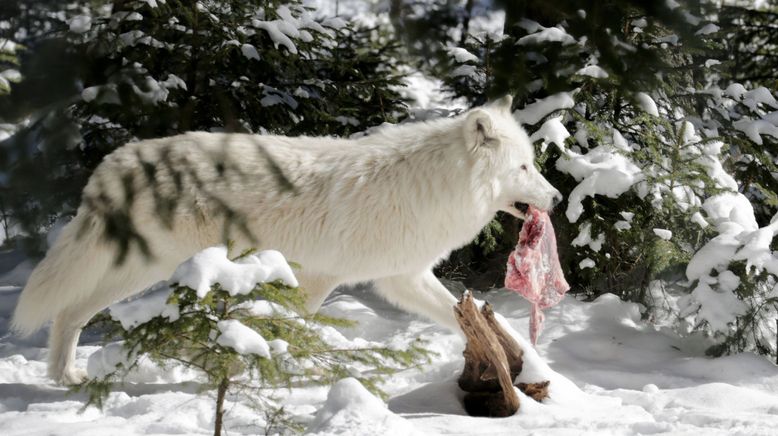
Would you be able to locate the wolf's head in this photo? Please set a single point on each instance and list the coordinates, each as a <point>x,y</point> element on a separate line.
<point>494,136</point>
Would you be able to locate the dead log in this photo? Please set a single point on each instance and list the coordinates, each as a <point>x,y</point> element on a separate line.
<point>493,359</point>
<point>485,362</point>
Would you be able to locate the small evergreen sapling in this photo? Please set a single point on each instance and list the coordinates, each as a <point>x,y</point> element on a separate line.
<point>246,340</point>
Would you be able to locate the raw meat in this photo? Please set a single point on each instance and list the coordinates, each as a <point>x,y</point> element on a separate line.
<point>533,268</point>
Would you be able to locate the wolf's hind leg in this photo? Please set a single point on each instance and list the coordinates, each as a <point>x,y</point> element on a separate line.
<point>63,340</point>
<point>317,288</point>
<point>132,277</point>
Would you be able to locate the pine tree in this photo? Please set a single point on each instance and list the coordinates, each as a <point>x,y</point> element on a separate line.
<point>132,70</point>
<point>244,341</point>
<point>659,134</point>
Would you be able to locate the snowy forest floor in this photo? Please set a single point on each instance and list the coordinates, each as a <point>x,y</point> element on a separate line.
<point>633,379</point>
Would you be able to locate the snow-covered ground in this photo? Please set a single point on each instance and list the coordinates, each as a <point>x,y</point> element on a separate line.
<point>630,378</point>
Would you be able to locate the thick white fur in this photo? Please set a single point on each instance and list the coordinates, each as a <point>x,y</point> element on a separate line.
<point>385,207</point>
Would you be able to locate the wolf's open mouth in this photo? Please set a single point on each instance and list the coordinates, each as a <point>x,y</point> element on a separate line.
<point>522,207</point>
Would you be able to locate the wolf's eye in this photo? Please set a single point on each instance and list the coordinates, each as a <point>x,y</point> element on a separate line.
<point>524,167</point>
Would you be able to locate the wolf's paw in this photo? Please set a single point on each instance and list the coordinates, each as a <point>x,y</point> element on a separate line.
<point>70,376</point>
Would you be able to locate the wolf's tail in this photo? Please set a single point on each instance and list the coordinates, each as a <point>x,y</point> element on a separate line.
<point>69,273</point>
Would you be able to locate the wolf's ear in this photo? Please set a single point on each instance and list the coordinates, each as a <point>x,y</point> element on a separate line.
<point>504,103</point>
<point>478,128</point>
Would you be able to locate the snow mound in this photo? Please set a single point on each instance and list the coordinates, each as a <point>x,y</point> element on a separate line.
<point>351,410</point>
<point>561,391</point>
<point>212,266</point>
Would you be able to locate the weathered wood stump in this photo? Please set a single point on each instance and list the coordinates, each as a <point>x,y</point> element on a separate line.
<point>493,359</point>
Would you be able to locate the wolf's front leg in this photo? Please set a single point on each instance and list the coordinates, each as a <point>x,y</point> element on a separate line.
<point>420,293</point>
<point>63,339</point>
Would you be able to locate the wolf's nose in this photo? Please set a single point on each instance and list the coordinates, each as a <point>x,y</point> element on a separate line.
<point>556,200</point>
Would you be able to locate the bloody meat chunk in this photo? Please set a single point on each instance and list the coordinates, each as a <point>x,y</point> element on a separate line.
<point>533,268</point>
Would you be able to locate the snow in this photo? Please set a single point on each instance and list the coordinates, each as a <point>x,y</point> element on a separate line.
<point>266,309</point>
<point>622,225</point>
<point>174,82</point>
<point>612,375</point>
<point>663,234</point>
<point>755,128</point>
<point>351,409</point>
<point>213,265</point>
<point>425,93</point>
<point>550,34</point>
<point>89,94</point>
<point>586,263</point>
<point>288,27</point>
<point>465,70</point>
<point>126,16</point>
<point>593,71</point>
<point>735,90</point>
<point>273,96</point>
<point>759,96</point>
<point>103,361</point>
<point>718,309</point>
<point>242,339</point>
<point>584,238</point>
<point>600,171</point>
<point>461,55</point>
<point>698,219</point>
<point>739,238</point>
<point>278,30</point>
<point>619,141</point>
<point>10,75</point>
<point>647,103</point>
<point>249,51</point>
<point>552,131</point>
<point>278,346</point>
<point>730,208</point>
<point>145,307</point>
<point>8,46</point>
<point>534,112</point>
<point>708,29</point>
<point>134,37</point>
<point>154,91</point>
<point>718,251</point>
<point>80,24</point>
<point>756,250</point>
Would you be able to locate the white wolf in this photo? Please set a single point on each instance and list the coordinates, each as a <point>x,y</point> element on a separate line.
<point>385,207</point>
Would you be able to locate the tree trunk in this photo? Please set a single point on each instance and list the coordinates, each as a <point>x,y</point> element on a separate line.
<point>221,392</point>
<point>493,359</point>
